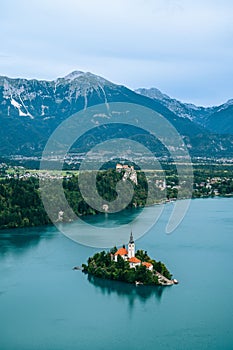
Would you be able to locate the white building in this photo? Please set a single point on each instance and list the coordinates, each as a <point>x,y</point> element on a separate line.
<point>129,255</point>
<point>133,262</point>
<point>131,247</point>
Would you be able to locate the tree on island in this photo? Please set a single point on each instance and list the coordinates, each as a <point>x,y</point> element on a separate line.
<point>103,265</point>
<point>142,255</point>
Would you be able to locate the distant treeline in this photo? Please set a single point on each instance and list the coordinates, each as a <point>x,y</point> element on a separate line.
<point>21,204</point>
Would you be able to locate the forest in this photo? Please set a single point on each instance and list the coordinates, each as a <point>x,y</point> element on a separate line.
<point>21,204</point>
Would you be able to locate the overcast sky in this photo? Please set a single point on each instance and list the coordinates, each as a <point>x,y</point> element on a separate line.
<point>182,47</point>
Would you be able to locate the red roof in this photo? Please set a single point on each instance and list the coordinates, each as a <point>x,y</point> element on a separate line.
<point>147,264</point>
<point>134,260</point>
<point>121,251</point>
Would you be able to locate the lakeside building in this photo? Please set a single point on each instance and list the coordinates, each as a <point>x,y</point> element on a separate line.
<point>129,255</point>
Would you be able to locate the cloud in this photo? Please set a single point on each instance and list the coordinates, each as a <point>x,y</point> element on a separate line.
<point>174,39</point>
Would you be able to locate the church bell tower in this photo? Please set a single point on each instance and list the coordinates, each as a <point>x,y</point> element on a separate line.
<point>131,247</point>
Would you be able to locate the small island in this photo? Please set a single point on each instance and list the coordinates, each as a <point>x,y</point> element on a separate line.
<point>128,266</point>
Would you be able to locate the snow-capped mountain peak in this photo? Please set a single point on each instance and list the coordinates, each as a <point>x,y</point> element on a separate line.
<point>73,75</point>
<point>152,93</point>
<point>31,109</point>
<point>87,78</point>
<point>183,110</point>
<point>45,99</point>
<point>229,102</point>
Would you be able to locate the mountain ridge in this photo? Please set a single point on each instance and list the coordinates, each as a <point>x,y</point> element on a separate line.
<point>31,109</point>
<point>204,116</point>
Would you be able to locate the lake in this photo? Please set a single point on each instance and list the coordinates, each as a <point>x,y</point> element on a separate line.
<point>44,304</point>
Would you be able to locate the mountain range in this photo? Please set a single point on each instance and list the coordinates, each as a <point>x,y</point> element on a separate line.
<point>217,119</point>
<point>30,110</point>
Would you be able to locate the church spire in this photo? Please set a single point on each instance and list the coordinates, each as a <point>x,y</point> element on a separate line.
<point>131,246</point>
<point>131,240</point>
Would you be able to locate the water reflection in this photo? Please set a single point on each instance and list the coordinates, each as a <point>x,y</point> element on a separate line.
<point>127,291</point>
<point>113,219</point>
<point>18,240</point>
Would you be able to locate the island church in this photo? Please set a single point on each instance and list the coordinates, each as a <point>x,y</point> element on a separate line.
<point>129,255</point>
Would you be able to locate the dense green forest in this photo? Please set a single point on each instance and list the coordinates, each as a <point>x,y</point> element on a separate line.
<point>21,205</point>
<point>101,265</point>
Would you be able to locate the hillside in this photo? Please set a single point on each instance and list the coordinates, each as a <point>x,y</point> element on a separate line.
<point>30,110</point>
<point>216,119</point>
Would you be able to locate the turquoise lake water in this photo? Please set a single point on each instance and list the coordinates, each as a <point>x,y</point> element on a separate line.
<point>44,304</point>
